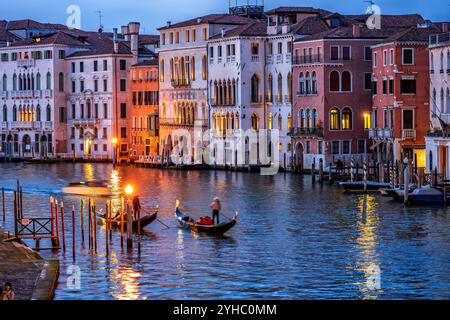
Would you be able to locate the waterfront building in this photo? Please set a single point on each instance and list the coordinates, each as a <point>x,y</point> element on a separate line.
<point>438,137</point>
<point>144,109</point>
<point>65,92</point>
<point>333,83</point>
<point>183,73</point>
<point>400,89</point>
<point>250,75</point>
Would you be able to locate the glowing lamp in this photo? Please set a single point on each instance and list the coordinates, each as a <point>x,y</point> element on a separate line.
<point>115,141</point>
<point>129,190</point>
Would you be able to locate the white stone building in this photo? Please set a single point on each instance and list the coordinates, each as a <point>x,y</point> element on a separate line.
<point>184,76</point>
<point>438,138</point>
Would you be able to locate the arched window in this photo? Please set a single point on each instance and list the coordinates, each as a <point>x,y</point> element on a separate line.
<point>49,113</point>
<point>434,102</point>
<point>5,113</point>
<point>270,121</point>
<point>334,81</point>
<point>270,88</point>
<point>443,108</point>
<point>255,121</point>
<point>442,60</point>
<point>335,119</point>
<point>448,61</point>
<point>38,81</point>
<point>193,68</point>
<point>5,83</point>
<point>308,83</point>
<point>38,113</point>
<point>14,113</point>
<point>161,70</point>
<point>49,81</point>
<point>61,82</point>
<point>347,119</point>
<point>432,62</point>
<point>14,82</point>
<point>301,117</point>
<point>301,84</point>
<point>172,77</point>
<point>255,89</point>
<point>314,83</point>
<point>204,75</point>
<point>308,119</point>
<point>89,109</point>
<point>346,81</point>
<point>448,100</point>
<point>315,119</point>
<point>213,121</point>
<point>280,88</point>
<point>280,122</point>
<point>237,123</point>
<point>289,121</point>
<point>289,88</point>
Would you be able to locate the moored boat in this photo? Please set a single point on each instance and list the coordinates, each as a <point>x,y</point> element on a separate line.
<point>93,189</point>
<point>361,185</point>
<point>428,195</point>
<point>116,223</point>
<point>187,222</point>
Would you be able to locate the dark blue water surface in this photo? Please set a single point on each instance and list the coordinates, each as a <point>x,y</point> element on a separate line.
<point>294,240</point>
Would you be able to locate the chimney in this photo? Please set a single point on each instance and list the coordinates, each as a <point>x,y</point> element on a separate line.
<point>199,20</point>
<point>169,23</point>
<point>356,31</point>
<point>125,33</point>
<point>223,32</point>
<point>116,43</point>
<point>133,29</point>
<point>444,26</point>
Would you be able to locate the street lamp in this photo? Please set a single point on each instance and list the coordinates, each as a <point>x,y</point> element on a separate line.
<point>129,190</point>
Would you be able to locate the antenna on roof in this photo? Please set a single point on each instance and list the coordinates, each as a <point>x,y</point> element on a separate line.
<point>100,16</point>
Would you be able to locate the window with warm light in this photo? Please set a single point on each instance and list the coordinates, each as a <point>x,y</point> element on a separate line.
<point>367,121</point>
<point>335,119</point>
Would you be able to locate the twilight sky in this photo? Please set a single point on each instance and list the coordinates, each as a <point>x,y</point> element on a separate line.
<point>154,13</point>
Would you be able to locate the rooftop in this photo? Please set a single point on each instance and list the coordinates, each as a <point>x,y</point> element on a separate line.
<point>221,18</point>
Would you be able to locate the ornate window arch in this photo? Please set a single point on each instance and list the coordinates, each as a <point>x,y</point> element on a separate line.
<point>334,81</point>
<point>335,119</point>
<point>347,119</point>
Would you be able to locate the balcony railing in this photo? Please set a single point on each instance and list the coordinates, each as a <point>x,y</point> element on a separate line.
<point>213,102</point>
<point>4,94</point>
<point>25,63</point>
<point>383,133</point>
<point>177,122</point>
<point>257,99</point>
<point>26,125</point>
<point>440,39</point>
<point>306,132</point>
<point>181,83</point>
<point>255,58</point>
<point>85,122</point>
<point>309,59</point>
<point>408,134</point>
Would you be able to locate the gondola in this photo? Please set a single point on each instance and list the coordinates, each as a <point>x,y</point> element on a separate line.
<point>144,221</point>
<point>188,223</point>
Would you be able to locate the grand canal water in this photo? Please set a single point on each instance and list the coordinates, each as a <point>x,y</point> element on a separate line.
<point>294,240</point>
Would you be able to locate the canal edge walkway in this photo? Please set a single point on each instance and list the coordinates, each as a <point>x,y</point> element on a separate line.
<point>32,277</point>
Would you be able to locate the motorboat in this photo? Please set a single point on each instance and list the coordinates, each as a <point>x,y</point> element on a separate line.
<point>93,189</point>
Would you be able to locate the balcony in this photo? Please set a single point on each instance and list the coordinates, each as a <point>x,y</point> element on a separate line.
<point>4,94</point>
<point>279,58</point>
<point>214,103</point>
<point>181,83</point>
<point>408,134</point>
<point>26,63</point>
<point>269,59</point>
<point>48,93</point>
<point>85,122</point>
<point>257,99</point>
<point>37,94</point>
<point>172,122</point>
<point>309,59</point>
<point>255,58</point>
<point>4,125</point>
<point>381,133</point>
<point>306,132</point>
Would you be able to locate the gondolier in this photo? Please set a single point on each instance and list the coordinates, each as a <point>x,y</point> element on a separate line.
<point>136,207</point>
<point>216,207</point>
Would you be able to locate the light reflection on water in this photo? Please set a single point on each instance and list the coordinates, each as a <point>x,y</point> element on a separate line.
<point>294,240</point>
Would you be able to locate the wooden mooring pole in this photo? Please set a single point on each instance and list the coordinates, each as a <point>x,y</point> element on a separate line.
<point>57,223</point>
<point>129,226</point>
<point>63,227</point>
<point>16,227</point>
<point>3,205</point>
<point>90,223</point>
<point>107,230</point>
<point>82,221</point>
<point>73,234</point>
<point>122,222</point>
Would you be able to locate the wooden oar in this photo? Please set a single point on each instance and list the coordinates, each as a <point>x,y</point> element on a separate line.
<point>165,225</point>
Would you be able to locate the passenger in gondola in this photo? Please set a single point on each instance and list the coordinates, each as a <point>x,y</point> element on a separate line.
<point>136,207</point>
<point>216,207</point>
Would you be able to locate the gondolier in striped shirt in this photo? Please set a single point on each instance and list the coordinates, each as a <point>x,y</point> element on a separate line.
<point>216,207</point>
